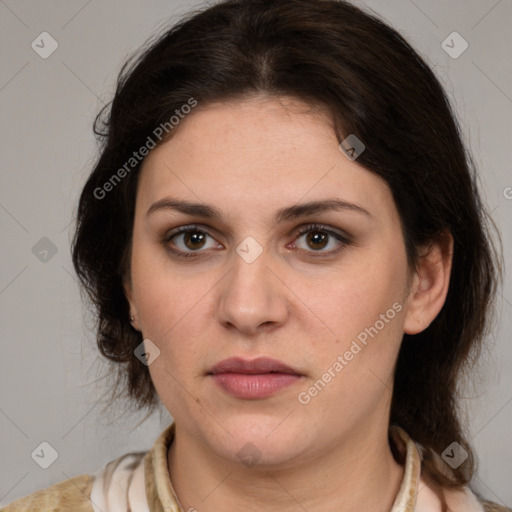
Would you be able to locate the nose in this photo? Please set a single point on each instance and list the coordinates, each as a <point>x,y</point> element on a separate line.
<point>252,298</point>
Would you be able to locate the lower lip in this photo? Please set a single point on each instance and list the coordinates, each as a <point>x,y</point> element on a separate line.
<point>254,386</point>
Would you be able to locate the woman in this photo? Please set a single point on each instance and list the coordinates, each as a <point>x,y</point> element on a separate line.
<point>285,246</point>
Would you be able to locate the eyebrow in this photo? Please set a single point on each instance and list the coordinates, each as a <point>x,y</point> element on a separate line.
<point>284,214</point>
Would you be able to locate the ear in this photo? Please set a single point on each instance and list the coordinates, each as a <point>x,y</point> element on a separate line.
<point>430,282</point>
<point>128,292</point>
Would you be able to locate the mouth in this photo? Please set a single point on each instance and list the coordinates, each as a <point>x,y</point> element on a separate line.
<point>261,365</point>
<point>253,379</point>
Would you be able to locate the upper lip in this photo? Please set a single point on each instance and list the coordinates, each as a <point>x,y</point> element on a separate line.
<point>253,366</point>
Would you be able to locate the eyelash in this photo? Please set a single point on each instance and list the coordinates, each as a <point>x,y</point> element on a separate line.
<point>310,227</point>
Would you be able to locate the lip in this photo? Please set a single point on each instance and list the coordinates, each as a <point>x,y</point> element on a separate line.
<point>252,366</point>
<point>253,379</point>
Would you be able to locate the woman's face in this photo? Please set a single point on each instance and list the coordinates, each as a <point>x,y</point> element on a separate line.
<point>329,303</point>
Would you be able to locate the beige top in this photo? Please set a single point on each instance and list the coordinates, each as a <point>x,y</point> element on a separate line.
<point>140,482</point>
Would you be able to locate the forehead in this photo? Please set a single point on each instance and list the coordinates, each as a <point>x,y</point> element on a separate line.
<point>256,152</point>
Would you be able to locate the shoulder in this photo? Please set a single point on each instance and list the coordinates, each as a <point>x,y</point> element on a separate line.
<point>72,494</point>
<point>429,497</point>
<point>457,500</point>
<point>467,500</point>
<point>122,484</point>
<point>489,506</point>
<point>107,485</point>
<point>460,500</point>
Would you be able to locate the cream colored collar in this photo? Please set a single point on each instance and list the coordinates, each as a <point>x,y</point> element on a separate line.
<point>413,496</point>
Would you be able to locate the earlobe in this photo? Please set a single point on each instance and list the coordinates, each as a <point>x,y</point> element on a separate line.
<point>430,284</point>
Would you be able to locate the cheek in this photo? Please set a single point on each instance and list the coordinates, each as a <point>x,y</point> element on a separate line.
<point>170,305</point>
<point>354,298</point>
<point>157,292</point>
<point>169,309</point>
<point>354,369</point>
<point>364,307</point>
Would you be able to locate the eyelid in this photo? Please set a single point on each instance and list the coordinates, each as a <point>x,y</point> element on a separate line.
<point>343,238</point>
<point>323,227</point>
<point>185,229</point>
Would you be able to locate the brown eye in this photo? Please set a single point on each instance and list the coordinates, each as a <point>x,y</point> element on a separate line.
<point>317,239</point>
<point>189,240</point>
<point>194,239</point>
<point>320,239</point>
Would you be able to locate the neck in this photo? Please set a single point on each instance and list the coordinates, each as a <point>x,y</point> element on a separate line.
<point>361,474</point>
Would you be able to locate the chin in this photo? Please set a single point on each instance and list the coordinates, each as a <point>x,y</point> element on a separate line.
<point>259,440</point>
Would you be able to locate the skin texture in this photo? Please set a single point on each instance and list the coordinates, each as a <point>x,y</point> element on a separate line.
<point>295,302</point>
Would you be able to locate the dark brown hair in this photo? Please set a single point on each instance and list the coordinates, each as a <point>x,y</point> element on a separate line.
<point>375,86</point>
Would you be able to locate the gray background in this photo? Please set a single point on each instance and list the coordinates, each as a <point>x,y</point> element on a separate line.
<point>49,366</point>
